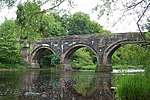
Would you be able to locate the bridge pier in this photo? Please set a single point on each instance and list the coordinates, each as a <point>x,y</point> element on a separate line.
<point>104,81</point>
<point>67,67</point>
<point>103,68</point>
<point>35,65</point>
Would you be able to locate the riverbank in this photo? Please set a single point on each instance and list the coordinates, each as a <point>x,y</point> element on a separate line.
<point>133,87</point>
<point>116,69</point>
<point>13,67</point>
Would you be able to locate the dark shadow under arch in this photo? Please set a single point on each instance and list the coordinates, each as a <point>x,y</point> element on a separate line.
<point>35,54</point>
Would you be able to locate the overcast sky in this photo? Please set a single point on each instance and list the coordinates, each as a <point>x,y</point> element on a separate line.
<point>128,25</point>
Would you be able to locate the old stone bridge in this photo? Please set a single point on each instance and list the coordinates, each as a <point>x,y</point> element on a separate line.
<point>102,45</point>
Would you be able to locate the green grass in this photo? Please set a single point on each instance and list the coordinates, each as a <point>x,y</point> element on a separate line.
<point>93,67</point>
<point>13,66</point>
<point>133,87</point>
<point>127,67</point>
<point>87,67</point>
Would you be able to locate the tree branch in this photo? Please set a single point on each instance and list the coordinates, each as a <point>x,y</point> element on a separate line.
<point>53,6</point>
<point>135,4</point>
<point>131,7</point>
<point>46,10</point>
<point>140,20</point>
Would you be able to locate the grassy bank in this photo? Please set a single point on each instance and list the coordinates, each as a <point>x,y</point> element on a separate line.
<point>133,87</point>
<point>87,67</point>
<point>127,67</point>
<point>13,66</point>
<point>119,67</point>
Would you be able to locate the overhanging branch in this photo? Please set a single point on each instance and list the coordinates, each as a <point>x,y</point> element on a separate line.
<point>53,6</point>
<point>128,8</point>
<point>140,20</point>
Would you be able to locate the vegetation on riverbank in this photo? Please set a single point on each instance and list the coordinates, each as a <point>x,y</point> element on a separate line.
<point>120,67</point>
<point>133,87</point>
<point>13,66</point>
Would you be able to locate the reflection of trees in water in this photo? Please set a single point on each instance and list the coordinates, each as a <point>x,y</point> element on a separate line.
<point>85,82</point>
<point>28,80</point>
<point>45,85</point>
<point>9,82</point>
<point>37,84</point>
<point>101,91</point>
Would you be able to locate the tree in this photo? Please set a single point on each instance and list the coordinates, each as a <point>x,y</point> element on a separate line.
<point>53,4</point>
<point>130,54</point>
<point>48,59</point>
<point>50,26</point>
<point>80,23</point>
<point>36,24</point>
<point>82,58</point>
<point>9,43</point>
<point>28,20</point>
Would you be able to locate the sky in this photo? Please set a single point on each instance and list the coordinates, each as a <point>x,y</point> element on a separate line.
<point>127,25</point>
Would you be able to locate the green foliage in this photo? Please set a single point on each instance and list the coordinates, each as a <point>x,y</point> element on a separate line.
<point>133,87</point>
<point>28,19</point>
<point>133,55</point>
<point>148,35</point>
<point>80,23</point>
<point>87,67</point>
<point>147,70</point>
<point>36,24</point>
<point>48,59</point>
<point>54,60</point>
<point>50,26</point>
<point>9,43</point>
<point>82,59</point>
<point>126,67</point>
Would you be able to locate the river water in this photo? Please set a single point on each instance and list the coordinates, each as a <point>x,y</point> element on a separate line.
<point>54,85</point>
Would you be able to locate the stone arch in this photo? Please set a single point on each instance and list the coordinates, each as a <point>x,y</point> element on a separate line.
<point>34,57</point>
<point>65,57</point>
<point>109,51</point>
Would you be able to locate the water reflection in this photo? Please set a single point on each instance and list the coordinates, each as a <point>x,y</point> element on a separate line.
<point>55,85</point>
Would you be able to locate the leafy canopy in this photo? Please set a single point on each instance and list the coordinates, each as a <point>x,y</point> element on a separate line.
<point>80,23</point>
<point>9,44</point>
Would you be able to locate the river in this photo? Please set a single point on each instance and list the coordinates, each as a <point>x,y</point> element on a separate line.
<point>55,85</point>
